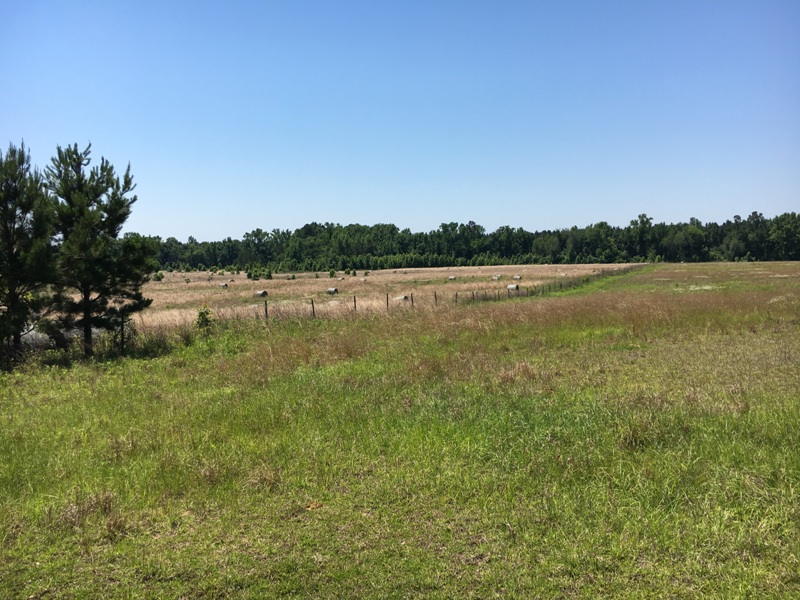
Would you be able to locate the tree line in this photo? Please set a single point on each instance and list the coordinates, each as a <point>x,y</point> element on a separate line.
<point>321,247</point>
<point>63,263</point>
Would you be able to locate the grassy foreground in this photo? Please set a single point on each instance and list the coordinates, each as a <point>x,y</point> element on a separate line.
<point>639,437</point>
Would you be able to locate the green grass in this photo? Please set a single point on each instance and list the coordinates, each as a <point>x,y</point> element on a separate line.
<point>619,440</point>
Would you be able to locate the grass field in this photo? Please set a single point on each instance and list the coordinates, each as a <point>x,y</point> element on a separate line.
<point>638,436</point>
<point>177,298</point>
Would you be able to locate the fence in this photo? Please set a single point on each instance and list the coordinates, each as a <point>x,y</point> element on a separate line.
<point>353,305</point>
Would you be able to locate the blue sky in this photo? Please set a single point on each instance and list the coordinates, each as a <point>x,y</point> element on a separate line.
<point>537,114</point>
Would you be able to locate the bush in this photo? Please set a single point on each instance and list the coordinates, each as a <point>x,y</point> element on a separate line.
<point>205,318</point>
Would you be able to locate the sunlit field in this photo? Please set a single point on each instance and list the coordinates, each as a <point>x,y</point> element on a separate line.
<point>634,436</point>
<point>177,298</point>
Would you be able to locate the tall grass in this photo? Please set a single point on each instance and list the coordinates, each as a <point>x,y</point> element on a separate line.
<point>637,440</point>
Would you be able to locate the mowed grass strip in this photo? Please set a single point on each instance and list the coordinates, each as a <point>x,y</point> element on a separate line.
<point>637,438</point>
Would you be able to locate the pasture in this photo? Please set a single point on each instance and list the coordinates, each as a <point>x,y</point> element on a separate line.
<point>636,436</point>
<point>177,298</point>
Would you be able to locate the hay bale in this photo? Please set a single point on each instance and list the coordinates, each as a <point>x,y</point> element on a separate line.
<point>512,287</point>
<point>332,291</point>
<point>451,278</point>
<point>261,294</point>
<point>517,277</point>
<point>223,285</point>
<point>403,298</point>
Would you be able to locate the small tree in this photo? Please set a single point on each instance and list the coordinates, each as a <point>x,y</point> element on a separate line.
<point>26,251</point>
<point>100,275</point>
<point>204,319</point>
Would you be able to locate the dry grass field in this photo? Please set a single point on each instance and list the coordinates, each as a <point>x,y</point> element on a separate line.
<point>178,297</point>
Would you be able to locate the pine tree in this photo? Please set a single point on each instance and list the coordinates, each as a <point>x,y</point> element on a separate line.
<point>25,244</point>
<point>100,275</point>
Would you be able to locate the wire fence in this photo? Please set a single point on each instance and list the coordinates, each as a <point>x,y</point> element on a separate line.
<point>337,305</point>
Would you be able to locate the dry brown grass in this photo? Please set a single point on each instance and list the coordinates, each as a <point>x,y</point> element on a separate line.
<point>178,297</point>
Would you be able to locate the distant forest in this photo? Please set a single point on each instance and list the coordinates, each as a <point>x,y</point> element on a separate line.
<point>323,247</point>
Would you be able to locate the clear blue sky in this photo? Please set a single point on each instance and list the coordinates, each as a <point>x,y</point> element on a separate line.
<point>535,114</point>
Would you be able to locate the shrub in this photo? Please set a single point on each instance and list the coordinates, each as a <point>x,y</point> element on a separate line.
<point>205,318</point>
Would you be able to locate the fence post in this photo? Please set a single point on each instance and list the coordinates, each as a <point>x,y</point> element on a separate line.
<point>313,313</point>
<point>412,300</point>
<point>435,299</point>
<point>354,303</point>
<point>387,302</point>
<point>266,311</point>
<point>456,297</point>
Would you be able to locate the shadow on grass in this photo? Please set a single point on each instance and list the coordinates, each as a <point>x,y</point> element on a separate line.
<point>107,348</point>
